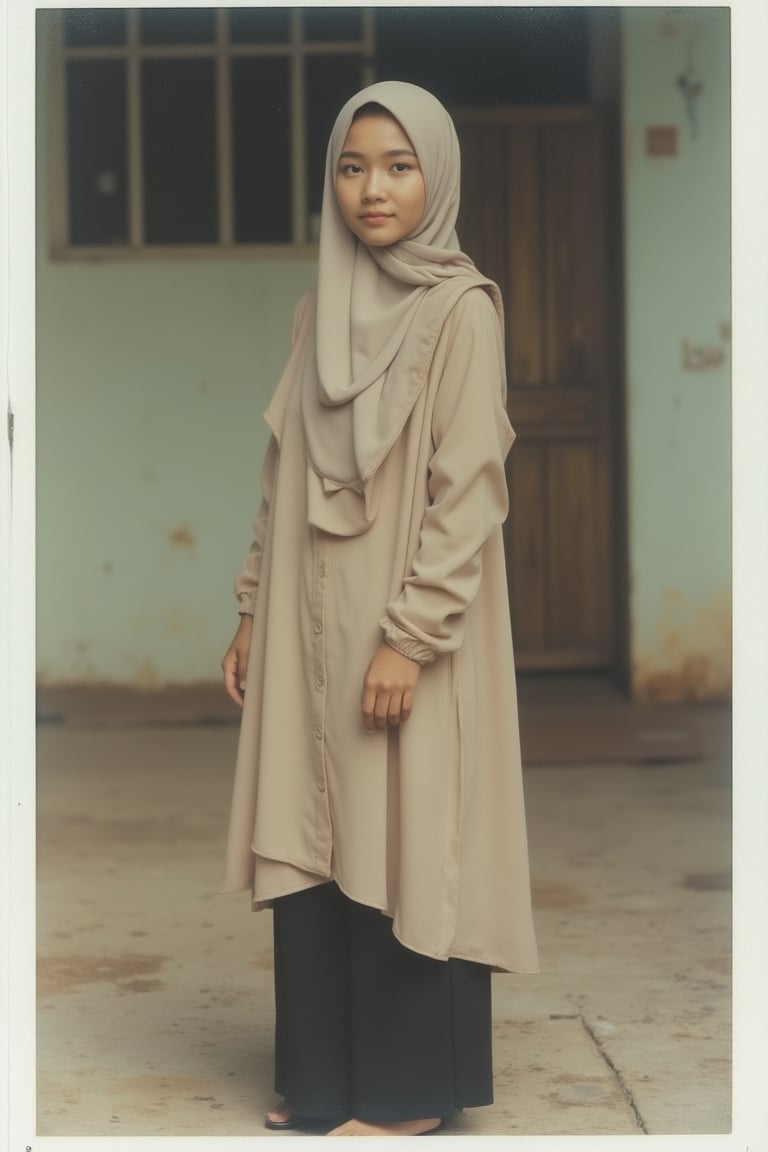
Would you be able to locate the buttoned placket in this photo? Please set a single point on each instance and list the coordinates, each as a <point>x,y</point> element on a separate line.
<point>318,688</point>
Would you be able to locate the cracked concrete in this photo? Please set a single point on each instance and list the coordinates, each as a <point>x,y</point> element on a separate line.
<point>626,1091</point>
<point>155,993</point>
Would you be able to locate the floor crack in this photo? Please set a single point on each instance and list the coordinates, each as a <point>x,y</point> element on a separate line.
<point>623,1088</point>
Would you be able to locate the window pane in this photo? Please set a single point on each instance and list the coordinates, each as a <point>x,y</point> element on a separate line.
<point>332,24</point>
<point>261,143</point>
<point>330,81</point>
<point>94,27</point>
<point>97,152</point>
<point>260,25</point>
<point>176,25</point>
<point>179,151</point>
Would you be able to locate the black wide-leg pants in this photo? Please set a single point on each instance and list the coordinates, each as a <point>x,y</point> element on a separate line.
<point>367,1028</point>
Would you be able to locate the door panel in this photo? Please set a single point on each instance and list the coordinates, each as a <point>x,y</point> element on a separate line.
<point>528,564</point>
<point>533,218</point>
<point>522,281</point>
<point>572,243</point>
<point>574,596</point>
<point>486,229</point>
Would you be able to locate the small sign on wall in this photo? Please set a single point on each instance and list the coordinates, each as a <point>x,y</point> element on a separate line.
<point>661,140</point>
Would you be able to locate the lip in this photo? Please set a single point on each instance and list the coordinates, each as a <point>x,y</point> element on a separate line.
<point>376,217</point>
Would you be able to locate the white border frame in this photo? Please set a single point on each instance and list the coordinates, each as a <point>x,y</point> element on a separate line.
<point>17,624</point>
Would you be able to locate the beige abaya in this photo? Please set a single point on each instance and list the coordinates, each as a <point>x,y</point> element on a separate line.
<point>383,498</point>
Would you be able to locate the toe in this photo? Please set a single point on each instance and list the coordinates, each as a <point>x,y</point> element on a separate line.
<point>280,1114</point>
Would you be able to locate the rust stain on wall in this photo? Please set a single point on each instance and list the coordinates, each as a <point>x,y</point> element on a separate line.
<point>691,659</point>
<point>183,537</point>
<point>178,622</point>
<point>146,675</point>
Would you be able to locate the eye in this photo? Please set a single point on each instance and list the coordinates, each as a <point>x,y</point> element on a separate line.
<point>350,169</point>
<point>402,166</point>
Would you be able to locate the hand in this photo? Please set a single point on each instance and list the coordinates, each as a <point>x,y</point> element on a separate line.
<point>235,662</point>
<point>388,688</point>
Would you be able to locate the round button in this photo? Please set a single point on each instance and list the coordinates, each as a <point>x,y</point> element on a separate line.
<point>318,733</point>
<point>319,681</point>
<point>318,629</point>
<point>321,785</point>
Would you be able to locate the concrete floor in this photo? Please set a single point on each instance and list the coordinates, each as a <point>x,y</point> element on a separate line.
<point>155,992</point>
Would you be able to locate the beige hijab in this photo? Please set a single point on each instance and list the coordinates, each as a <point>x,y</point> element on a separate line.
<point>380,312</point>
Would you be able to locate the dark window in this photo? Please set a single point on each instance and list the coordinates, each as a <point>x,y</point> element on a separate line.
<point>94,27</point>
<point>177,25</point>
<point>98,152</point>
<point>332,24</point>
<point>261,143</point>
<point>260,25</point>
<point>329,83</point>
<point>180,126</point>
<point>179,152</point>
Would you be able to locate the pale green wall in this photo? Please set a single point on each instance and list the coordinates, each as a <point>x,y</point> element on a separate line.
<point>152,378</point>
<point>677,261</point>
<point>151,384</point>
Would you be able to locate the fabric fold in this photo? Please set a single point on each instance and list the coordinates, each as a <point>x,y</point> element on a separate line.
<point>379,315</point>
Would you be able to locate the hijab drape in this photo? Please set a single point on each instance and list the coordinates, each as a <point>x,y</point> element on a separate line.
<point>380,312</point>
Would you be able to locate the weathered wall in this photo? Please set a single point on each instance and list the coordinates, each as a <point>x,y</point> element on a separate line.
<point>677,261</point>
<point>152,378</point>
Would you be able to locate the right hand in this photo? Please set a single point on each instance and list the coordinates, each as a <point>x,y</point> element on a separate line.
<point>235,662</point>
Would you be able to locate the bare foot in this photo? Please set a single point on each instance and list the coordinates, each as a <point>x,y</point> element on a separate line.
<point>394,1128</point>
<point>280,1115</point>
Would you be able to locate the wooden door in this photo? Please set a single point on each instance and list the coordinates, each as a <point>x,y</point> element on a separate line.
<point>533,217</point>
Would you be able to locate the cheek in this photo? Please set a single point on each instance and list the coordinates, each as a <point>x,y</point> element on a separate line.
<point>420,200</point>
<point>340,198</point>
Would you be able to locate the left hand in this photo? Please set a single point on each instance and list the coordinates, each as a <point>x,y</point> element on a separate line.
<point>388,688</point>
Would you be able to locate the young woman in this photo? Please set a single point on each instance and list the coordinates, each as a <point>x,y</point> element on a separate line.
<point>378,804</point>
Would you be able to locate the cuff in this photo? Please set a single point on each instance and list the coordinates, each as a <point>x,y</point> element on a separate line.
<point>246,603</point>
<point>405,644</point>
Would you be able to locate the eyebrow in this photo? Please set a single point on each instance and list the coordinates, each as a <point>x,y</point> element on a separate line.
<point>392,152</point>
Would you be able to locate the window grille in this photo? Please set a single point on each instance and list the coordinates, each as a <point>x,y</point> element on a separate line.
<point>196,130</point>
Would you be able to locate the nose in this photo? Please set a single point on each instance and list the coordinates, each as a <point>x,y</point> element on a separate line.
<point>373,188</point>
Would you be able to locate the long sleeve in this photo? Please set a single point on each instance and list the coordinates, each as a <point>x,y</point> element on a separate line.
<point>467,488</point>
<point>247,582</point>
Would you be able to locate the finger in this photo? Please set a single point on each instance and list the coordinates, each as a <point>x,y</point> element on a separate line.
<point>369,702</point>
<point>394,710</point>
<point>407,705</point>
<point>381,710</point>
<point>231,684</point>
<point>235,695</point>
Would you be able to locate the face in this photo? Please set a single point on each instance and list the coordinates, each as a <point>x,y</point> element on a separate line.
<point>379,186</point>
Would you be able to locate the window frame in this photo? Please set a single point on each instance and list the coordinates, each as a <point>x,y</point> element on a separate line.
<point>222,51</point>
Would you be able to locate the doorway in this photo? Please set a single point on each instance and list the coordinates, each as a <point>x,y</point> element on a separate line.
<point>540,216</point>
